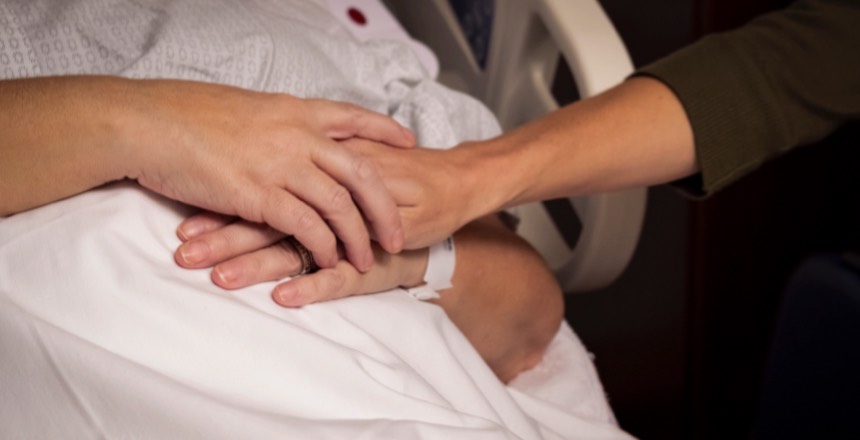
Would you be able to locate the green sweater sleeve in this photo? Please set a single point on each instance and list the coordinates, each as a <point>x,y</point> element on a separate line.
<point>786,79</point>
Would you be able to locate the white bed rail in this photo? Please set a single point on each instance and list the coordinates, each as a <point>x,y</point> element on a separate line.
<point>527,39</point>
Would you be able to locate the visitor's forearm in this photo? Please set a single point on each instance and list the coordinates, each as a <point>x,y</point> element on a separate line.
<point>635,134</point>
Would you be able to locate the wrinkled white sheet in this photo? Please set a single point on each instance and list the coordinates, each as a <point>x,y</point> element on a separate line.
<point>103,336</point>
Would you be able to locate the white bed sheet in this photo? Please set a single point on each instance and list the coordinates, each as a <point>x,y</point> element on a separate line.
<point>103,336</point>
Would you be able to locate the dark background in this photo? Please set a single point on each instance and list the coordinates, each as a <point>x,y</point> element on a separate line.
<point>681,339</point>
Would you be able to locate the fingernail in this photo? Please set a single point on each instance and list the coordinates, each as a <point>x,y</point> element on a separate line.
<point>189,230</point>
<point>397,240</point>
<point>193,252</point>
<point>366,261</point>
<point>226,274</point>
<point>286,295</point>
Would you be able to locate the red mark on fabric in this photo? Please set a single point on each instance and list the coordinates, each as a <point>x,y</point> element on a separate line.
<point>357,16</point>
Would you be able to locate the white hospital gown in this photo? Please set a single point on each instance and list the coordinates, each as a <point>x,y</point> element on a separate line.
<point>295,47</point>
<point>102,336</point>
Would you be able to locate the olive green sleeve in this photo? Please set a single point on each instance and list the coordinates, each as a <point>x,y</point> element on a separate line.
<point>786,79</point>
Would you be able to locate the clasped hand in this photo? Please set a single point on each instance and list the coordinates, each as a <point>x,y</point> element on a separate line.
<point>273,159</point>
<point>427,188</point>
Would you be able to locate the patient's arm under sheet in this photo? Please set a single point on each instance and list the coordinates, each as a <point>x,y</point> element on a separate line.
<point>102,335</point>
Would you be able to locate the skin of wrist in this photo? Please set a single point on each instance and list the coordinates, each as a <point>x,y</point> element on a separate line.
<point>125,112</point>
<point>144,125</point>
<point>413,266</point>
<point>493,175</point>
<point>106,102</point>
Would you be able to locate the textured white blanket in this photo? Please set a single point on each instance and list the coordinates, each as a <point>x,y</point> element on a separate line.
<point>103,336</point>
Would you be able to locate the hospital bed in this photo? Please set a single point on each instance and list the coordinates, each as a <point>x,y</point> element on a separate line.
<point>513,72</point>
<point>103,337</point>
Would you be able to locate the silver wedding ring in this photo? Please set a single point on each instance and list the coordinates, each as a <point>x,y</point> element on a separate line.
<point>308,263</point>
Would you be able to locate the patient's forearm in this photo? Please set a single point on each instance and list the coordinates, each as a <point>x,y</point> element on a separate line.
<point>505,299</point>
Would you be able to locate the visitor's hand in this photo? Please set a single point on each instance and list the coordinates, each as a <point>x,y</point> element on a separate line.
<point>436,191</point>
<point>243,254</point>
<point>270,158</point>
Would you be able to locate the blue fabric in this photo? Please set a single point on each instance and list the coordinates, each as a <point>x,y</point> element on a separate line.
<point>476,21</point>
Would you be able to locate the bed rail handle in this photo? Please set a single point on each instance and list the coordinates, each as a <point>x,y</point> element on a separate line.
<point>526,54</point>
<point>527,40</point>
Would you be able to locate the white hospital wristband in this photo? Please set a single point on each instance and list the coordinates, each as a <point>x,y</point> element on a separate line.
<point>441,261</point>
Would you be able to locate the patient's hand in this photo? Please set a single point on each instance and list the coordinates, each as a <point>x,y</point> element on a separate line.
<point>244,254</point>
<point>504,299</point>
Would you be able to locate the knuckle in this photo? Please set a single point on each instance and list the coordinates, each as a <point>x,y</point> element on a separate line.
<point>337,284</point>
<point>323,286</point>
<point>355,116</point>
<point>364,168</point>
<point>251,206</point>
<point>390,220</point>
<point>340,200</point>
<point>351,111</point>
<point>252,266</point>
<point>315,290</point>
<point>305,218</point>
<point>221,243</point>
<point>290,259</point>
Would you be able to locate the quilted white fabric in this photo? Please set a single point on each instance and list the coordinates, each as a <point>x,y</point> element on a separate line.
<point>295,47</point>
